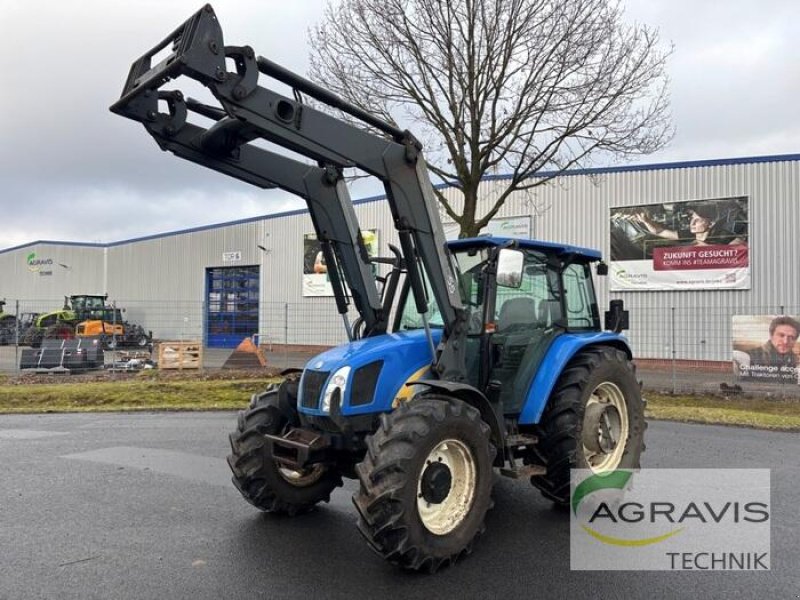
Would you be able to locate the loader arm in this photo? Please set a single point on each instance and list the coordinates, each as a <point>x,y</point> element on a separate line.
<point>224,148</point>
<point>252,111</point>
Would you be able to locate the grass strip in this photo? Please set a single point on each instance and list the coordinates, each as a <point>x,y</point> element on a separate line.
<point>199,393</point>
<point>129,395</point>
<point>778,414</point>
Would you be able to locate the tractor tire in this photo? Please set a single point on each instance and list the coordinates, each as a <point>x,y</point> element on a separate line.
<point>594,420</point>
<point>257,476</point>
<point>426,483</point>
<point>33,338</point>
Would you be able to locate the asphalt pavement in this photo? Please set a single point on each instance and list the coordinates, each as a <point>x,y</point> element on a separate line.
<point>140,506</point>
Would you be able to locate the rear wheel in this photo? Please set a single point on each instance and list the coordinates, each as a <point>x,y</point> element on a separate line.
<point>8,326</point>
<point>426,483</point>
<point>258,477</point>
<point>594,420</point>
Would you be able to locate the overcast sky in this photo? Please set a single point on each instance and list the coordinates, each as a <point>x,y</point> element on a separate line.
<point>70,170</point>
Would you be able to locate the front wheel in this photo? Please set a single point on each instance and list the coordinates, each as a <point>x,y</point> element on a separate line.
<point>594,420</point>
<point>258,477</point>
<point>426,483</point>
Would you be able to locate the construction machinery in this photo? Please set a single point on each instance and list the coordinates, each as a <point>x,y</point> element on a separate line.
<point>57,324</point>
<point>85,315</point>
<point>114,330</point>
<point>473,356</point>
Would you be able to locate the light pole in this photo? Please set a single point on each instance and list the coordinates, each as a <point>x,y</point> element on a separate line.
<point>265,252</point>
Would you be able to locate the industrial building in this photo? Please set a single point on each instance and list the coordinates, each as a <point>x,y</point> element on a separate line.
<point>222,282</point>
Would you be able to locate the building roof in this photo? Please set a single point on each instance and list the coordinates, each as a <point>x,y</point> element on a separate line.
<point>573,173</point>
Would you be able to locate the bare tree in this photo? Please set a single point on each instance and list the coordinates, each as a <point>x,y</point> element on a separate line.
<point>500,86</point>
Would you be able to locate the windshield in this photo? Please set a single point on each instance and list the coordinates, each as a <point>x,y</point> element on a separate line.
<point>469,266</point>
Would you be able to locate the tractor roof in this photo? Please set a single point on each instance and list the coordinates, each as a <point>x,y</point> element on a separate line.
<point>545,247</point>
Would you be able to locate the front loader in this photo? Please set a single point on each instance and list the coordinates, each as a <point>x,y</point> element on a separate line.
<point>475,357</point>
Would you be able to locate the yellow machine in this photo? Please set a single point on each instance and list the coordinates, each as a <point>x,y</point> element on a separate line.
<point>113,329</point>
<point>98,327</point>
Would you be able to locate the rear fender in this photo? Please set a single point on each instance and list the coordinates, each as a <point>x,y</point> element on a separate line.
<point>561,351</point>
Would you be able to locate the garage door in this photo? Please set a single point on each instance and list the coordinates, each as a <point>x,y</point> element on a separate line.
<point>232,300</point>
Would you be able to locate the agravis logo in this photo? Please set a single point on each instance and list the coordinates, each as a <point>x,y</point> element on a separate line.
<point>36,264</point>
<point>673,519</point>
<point>615,480</point>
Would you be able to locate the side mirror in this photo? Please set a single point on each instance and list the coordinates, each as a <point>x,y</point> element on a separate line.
<point>602,269</point>
<point>509,268</point>
<point>617,318</point>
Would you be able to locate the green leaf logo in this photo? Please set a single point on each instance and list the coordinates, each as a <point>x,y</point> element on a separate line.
<point>31,266</point>
<point>610,481</point>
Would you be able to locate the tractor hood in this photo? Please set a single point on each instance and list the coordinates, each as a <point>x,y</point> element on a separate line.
<point>378,369</point>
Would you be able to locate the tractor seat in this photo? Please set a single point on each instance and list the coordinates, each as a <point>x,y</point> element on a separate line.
<point>549,312</point>
<point>517,311</point>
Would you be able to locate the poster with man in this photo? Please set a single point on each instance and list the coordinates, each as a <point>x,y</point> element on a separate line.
<point>315,271</point>
<point>687,245</point>
<point>765,348</point>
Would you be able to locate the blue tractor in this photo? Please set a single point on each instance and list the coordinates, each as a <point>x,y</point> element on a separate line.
<point>467,359</point>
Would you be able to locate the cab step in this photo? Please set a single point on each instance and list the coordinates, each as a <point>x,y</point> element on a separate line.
<point>518,440</point>
<point>523,471</point>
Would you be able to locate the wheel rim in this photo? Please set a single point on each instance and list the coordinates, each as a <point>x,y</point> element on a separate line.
<point>446,487</point>
<point>605,428</point>
<point>302,478</point>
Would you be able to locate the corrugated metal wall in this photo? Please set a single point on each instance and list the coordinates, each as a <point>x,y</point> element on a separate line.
<point>162,280</point>
<point>64,270</point>
<point>695,324</point>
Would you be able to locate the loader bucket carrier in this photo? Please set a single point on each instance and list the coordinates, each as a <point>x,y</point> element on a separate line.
<point>494,358</point>
<point>249,111</point>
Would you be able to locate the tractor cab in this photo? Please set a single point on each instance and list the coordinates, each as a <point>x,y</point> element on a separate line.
<point>86,306</point>
<point>521,296</point>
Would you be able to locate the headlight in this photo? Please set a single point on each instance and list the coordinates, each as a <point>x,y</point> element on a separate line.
<point>337,381</point>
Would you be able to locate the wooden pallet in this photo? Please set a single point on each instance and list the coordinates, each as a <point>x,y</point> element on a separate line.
<point>180,355</point>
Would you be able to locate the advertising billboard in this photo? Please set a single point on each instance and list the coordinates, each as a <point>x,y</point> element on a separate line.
<point>315,272</point>
<point>765,348</point>
<point>514,227</point>
<point>688,245</point>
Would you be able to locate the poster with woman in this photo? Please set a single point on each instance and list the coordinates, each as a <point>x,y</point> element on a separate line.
<point>688,245</point>
<point>315,271</point>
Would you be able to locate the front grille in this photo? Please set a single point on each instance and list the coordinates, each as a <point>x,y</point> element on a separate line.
<point>312,388</point>
<point>364,381</point>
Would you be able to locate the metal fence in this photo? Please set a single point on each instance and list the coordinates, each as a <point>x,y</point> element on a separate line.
<point>677,349</point>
